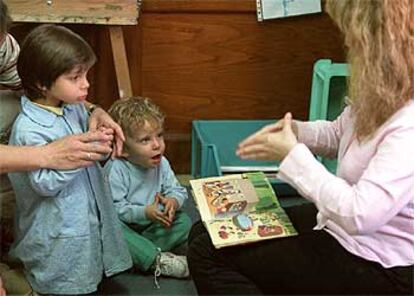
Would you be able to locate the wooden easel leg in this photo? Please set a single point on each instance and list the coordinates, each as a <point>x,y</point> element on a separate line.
<point>120,61</point>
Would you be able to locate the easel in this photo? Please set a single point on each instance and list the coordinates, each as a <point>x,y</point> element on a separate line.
<point>113,13</point>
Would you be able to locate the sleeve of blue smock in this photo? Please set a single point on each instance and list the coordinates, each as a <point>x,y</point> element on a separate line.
<point>45,182</point>
<point>170,186</point>
<point>120,183</point>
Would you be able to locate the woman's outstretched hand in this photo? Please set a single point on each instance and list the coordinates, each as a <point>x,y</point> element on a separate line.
<point>272,142</point>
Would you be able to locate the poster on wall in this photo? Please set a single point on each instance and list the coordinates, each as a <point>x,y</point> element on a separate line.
<point>271,9</point>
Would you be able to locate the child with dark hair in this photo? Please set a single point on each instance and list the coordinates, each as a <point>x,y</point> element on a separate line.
<point>146,192</point>
<point>67,231</point>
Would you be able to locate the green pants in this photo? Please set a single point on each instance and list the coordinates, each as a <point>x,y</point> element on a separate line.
<point>143,243</point>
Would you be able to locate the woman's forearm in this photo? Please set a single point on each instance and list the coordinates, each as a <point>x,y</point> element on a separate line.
<point>21,158</point>
<point>67,153</point>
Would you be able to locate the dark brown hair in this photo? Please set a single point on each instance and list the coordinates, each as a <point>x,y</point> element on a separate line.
<point>47,52</point>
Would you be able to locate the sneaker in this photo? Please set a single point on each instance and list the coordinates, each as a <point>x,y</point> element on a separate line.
<point>169,264</point>
<point>173,265</point>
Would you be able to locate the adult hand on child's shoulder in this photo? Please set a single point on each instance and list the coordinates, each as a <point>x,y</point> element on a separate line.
<point>154,214</point>
<point>76,151</point>
<point>100,118</point>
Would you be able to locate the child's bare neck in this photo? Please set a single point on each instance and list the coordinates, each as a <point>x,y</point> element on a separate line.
<point>46,102</point>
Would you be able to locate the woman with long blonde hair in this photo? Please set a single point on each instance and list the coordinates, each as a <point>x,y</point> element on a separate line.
<point>363,241</point>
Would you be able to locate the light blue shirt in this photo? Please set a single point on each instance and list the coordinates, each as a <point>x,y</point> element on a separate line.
<point>66,230</point>
<point>134,187</point>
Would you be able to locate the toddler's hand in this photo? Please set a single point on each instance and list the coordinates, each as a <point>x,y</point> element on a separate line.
<point>170,206</point>
<point>154,214</point>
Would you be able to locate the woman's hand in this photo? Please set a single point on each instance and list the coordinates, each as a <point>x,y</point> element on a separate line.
<point>100,118</point>
<point>272,142</point>
<point>2,291</point>
<point>154,214</point>
<point>72,152</point>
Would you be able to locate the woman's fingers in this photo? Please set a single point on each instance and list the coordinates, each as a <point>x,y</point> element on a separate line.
<point>252,151</point>
<point>96,148</point>
<point>274,127</point>
<point>253,144</point>
<point>95,136</point>
<point>75,151</point>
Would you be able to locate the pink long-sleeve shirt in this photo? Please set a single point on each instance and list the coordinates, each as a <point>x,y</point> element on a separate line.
<point>369,205</point>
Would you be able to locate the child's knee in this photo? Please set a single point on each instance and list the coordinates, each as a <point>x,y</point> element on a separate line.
<point>14,281</point>
<point>184,221</point>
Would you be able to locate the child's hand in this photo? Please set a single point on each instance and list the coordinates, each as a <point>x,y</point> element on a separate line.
<point>170,206</point>
<point>154,214</point>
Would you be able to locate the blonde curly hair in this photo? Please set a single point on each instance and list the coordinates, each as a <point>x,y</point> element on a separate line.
<point>379,35</point>
<point>132,113</point>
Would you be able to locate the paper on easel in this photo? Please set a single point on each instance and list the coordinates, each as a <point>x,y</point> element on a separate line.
<point>271,9</point>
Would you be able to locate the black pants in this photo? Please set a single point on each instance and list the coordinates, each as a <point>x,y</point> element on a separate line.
<point>311,263</point>
<point>89,294</point>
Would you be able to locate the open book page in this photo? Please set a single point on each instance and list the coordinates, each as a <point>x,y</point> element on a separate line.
<point>240,208</point>
<point>250,227</point>
<point>207,190</point>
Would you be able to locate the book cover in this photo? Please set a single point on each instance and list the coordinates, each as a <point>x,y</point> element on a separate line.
<point>240,208</point>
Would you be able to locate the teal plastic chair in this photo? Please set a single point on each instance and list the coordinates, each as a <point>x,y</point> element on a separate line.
<point>329,86</point>
<point>213,142</point>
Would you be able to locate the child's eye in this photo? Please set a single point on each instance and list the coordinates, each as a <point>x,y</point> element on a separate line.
<point>144,140</point>
<point>160,135</point>
<point>74,77</point>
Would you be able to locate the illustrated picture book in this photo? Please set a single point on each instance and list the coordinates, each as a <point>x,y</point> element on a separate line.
<point>240,208</point>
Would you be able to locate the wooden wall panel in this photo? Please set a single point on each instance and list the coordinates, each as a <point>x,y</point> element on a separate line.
<point>118,12</point>
<point>211,59</point>
<point>228,66</point>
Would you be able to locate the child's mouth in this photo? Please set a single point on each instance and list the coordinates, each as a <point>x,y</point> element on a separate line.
<point>156,157</point>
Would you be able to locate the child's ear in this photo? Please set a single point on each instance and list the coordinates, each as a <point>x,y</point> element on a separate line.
<point>124,153</point>
<point>41,87</point>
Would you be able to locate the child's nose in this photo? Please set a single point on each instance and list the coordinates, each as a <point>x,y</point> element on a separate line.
<point>85,83</point>
<point>156,143</point>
